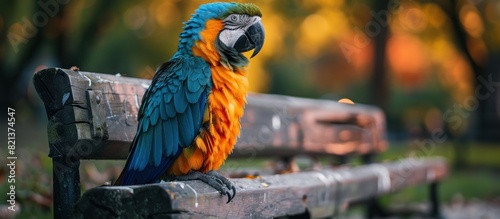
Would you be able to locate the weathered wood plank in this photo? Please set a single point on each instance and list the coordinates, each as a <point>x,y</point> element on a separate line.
<point>276,125</point>
<point>73,92</point>
<point>76,103</point>
<point>322,193</point>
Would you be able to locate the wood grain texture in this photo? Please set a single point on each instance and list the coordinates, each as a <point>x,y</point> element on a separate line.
<point>94,116</point>
<point>322,193</point>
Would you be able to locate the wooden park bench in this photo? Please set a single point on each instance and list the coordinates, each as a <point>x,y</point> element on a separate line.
<point>94,116</point>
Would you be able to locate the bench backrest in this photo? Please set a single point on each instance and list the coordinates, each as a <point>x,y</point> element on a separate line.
<point>94,116</point>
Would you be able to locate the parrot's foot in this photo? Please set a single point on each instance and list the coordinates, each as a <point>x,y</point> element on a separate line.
<point>213,179</point>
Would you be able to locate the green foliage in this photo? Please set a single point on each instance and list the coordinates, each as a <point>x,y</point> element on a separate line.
<point>290,78</point>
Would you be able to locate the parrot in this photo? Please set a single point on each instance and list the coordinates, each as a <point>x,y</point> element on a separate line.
<point>189,118</point>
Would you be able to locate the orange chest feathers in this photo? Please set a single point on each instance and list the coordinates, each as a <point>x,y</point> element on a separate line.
<point>225,108</point>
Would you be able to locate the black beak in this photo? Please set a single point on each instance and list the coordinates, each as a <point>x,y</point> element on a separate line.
<point>252,39</point>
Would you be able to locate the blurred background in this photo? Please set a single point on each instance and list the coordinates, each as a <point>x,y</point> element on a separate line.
<point>432,66</point>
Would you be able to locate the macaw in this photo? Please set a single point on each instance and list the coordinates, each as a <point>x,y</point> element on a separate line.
<point>189,118</point>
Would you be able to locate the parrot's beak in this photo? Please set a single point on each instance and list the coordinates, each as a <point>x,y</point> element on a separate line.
<point>252,39</point>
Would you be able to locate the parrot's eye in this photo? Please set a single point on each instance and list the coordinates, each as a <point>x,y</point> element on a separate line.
<point>234,18</point>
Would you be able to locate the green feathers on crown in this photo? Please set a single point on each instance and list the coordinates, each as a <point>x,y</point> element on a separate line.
<point>243,8</point>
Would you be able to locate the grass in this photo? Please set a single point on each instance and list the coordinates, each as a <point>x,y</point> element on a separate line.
<point>482,155</point>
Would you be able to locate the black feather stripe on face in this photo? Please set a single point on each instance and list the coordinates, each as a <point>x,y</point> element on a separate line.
<point>229,55</point>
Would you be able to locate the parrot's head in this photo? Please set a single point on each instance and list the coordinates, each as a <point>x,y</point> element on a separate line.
<point>222,32</point>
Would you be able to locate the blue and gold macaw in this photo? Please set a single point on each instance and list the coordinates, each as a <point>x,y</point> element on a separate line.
<point>190,114</point>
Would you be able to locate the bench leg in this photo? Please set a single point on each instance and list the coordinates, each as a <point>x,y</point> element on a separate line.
<point>66,187</point>
<point>373,207</point>
<point>435,211</point>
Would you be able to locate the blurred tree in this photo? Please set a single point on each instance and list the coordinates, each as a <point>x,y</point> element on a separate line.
<point>478,110</point>
<point>469,27</point>
<point>379,79</point>
<point>23,40</point>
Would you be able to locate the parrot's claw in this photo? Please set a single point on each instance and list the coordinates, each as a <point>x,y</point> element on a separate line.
<point>234,193</point>
<point>213,179</point>
<point>225,185</point>
<point>229,197</point>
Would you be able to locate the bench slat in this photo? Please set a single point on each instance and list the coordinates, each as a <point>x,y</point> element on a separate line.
<point>323,193</point>
<point>94,116</point>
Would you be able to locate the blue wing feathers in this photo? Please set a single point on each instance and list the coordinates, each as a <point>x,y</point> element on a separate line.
<point>171,112</point>
<point>164,90</point>
<point>185,121</point>
<point>145,124</point>
<point>193,85</point>
<point>173,88</point>
<point>156,153</point>
<point>180,102</point>
<point>167,97</point>
<point>193,97</point>
<point>203,103</point>
<point>163,112</point>
<point>175,135</point>
<point>167,138</point>
<point>176,82</point>
<point>133,162</point>
<point>151,153</point>
<point>147,144</point>
<point>136,161</point>
<point>197,116</point>
<point>155,115</point>
<point>170,117</point>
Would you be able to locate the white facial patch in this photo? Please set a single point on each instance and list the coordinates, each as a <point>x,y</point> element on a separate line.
<point>228,36</point>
